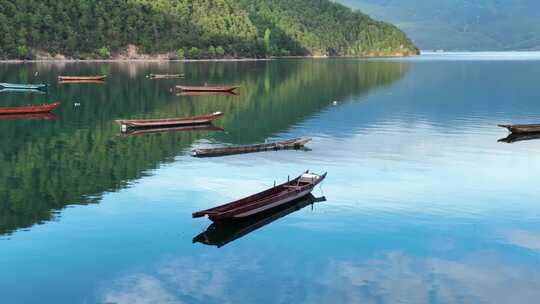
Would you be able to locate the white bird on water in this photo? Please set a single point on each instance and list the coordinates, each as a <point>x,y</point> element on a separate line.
<point>335,103</point>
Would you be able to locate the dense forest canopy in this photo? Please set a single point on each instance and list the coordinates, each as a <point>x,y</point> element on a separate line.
<point>193,29</point>
<point>461,24</point>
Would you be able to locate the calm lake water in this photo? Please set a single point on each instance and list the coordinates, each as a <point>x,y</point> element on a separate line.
<point>423,204</point>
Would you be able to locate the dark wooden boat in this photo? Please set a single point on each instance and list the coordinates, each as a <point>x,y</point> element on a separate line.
<point>169,122</point>
<point>533,128</point>
<point>206,88</point>
<point>73,78</point>
<point>22,87</point>
<point>165,76</point>
<point>46,116</point>
<point>45,108</point>
<point>145,131</point>
<point>220,234</point>
<point>296,143</point>
<point>81,82</point>
<point>188,93</point>
<point>515,137</point>
<point>265,200</point>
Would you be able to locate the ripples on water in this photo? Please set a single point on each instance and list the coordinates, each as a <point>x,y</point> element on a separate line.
<point>424,204</point>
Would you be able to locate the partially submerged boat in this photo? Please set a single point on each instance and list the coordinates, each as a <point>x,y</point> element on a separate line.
<point>531,128</point>
<point>265,200</point>
<point>145,131</point>
<point>80,78</point>
<point>220,234</point>
<point>206,88</point>
<point>296,143</point>
<point>168,122</point>
<point>45,108</point>
<point>22,87</point>
<point>166,76</point>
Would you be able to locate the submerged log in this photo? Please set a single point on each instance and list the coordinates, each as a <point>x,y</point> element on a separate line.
<point>531,128</point>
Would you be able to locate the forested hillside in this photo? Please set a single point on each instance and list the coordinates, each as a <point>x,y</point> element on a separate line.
<point>193,29</point>
<point>461,24</point>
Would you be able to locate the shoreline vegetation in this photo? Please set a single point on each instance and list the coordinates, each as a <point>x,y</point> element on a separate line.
<point>192,30</point>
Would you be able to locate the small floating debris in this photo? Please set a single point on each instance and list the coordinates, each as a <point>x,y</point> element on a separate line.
<point>168,122</point>
<point>265,200</point>
<point>522,129</point>
<point>165,76</point>
<point>335,103</point>
<point>206,88</point>
<point>296,143</point>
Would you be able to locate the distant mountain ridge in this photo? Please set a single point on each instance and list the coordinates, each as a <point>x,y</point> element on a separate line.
<point>461,24</point>
<point>193,29</point>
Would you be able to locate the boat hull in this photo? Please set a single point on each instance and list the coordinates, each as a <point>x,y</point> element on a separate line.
<point>22,87</point>
<point>265,200</point>
<point>296,143</point>
<point>82,78</point>
<point>522,129</point>
<point>206,88</point>
<point>46,108</point>
<point>168,122</point>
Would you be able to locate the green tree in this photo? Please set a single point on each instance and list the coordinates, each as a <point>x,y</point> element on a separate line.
<point>180,54</point>
<point>267,45</point>
<point>212,51</point>
<point>194,53</point>
<point>220,52</point>
<point>104,53</point>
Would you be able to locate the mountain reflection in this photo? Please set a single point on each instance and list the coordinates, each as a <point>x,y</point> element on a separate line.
<point>220,234</point>
<point>48,164</point>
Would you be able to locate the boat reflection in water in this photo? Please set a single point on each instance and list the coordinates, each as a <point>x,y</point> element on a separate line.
<point>515,137</point>
<point>221,233</point>
<point>47,116</point>
<point>32,91</point>
<point>206,127</point>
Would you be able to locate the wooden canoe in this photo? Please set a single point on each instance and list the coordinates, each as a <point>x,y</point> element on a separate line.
<point>188,93</point>
<point>533,128</point>
<point>81,82</point>
<point>220,234</point>
<point>169,122</point>
<point>73,78</point>
<point>45,108</point>
<point>206,88</point>
<point>145,131</point>
<point>265,200</point>
<point>21,87</point>
<point>165,76</point>
<point>296,143</point>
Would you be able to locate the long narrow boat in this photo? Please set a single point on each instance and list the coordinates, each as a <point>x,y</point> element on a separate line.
<point>532,128</point>
<point>188,93</point>
<point>45,108</point>
<point>166,76</point>
<point>220,234</point>
<point>81,82</point>
<point>73,78</point>
<point>265,200</point>
<point>295,143</point>
<point>145,131</point>
<point>33,91</point>
<point>206,88</point>
<point>169,122</point>
<point>19,86</point>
